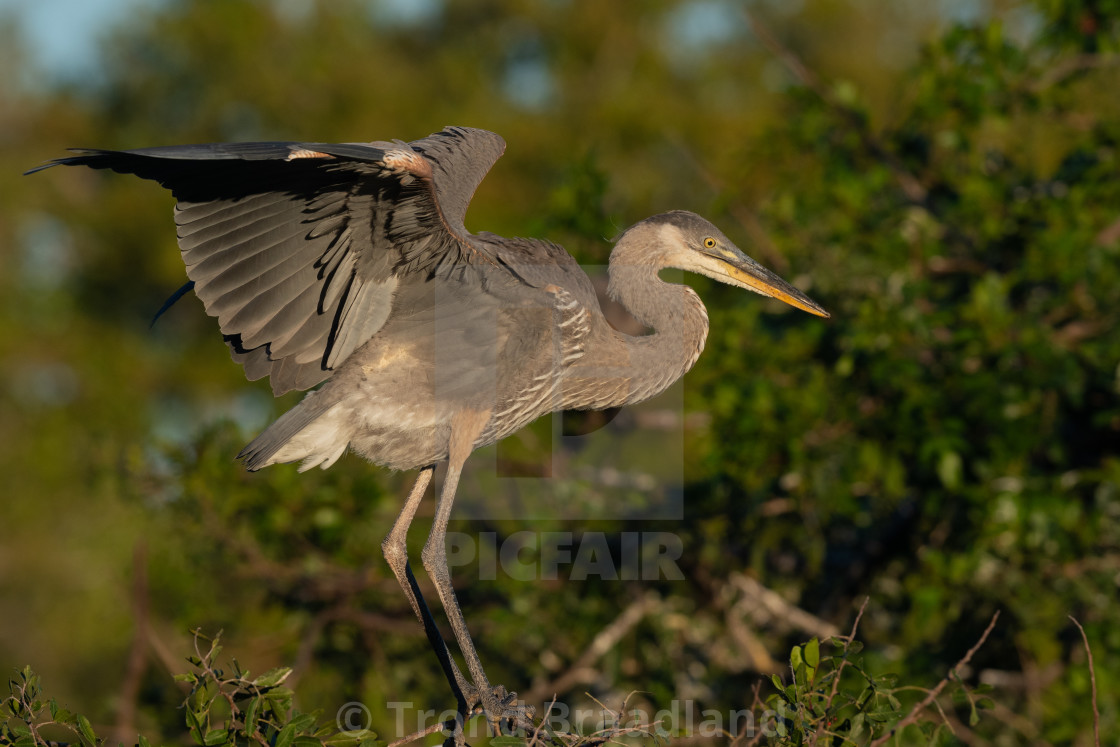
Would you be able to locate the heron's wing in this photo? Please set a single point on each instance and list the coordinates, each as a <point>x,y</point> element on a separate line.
<point>298,248</point>
<point>539,264</point>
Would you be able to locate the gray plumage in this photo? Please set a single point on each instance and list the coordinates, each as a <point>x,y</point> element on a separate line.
<point>349,265</point>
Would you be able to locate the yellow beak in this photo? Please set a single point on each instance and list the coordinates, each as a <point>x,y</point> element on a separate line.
<point>743,271</point>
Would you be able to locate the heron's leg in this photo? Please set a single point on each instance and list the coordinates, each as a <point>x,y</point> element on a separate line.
<point>395,550</point>
<point>498,705</point>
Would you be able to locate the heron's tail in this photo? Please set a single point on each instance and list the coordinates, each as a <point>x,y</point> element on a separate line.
<point>312,431</point>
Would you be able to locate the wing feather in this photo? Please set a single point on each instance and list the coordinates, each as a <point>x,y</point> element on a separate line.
<point>298,248</point>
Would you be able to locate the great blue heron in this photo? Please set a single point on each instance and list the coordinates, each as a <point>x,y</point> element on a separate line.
<point>349,264</point>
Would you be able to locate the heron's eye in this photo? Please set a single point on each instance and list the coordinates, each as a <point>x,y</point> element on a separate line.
<point>710,243</point>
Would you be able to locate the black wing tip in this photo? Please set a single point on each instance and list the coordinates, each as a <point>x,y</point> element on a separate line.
<point>83,154</point>
<point>253,456</point>
<point>81,157</point>
<point>251,461</point>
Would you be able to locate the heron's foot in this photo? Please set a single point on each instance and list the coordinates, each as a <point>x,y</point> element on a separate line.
<point>504,713</point>
<point>456,738</point>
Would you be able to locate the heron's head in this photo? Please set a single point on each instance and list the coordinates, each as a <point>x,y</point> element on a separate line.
<point>688,242</point>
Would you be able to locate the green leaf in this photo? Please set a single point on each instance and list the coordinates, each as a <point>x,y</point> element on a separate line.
<point>302,722</point>
<point>215,737</point>
<point>193,721</point>
<point>286,736</point>
<point>86,730</point>
<point>250,715</point>
<point>813,653</point>
<point>887,680</point>
<point>795,657</point>
<point>273,677</point>
<point>280,701</point>
<point>856,727</point>
<point>507,742</point>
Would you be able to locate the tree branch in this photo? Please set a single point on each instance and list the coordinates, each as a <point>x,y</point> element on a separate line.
<point>1093,684</point>
<point>916,711</point>
<point>911,186</point>
<point>604,641</point>
<point>125,729</point>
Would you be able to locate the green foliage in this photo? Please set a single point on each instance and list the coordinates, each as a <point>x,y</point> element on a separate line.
<point>27,720</point>
<point>834,697</point>
<point>233,709</point>
<point>220,711</point>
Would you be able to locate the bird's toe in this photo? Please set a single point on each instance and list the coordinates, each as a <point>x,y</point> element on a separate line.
<point>505,713</point>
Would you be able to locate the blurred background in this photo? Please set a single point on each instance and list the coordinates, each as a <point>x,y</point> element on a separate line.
<point>942,176</point>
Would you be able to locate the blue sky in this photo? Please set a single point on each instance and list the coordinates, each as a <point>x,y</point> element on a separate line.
<point>62,34</point>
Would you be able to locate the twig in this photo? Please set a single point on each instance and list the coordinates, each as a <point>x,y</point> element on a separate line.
<point>608,734</point>
<point>756,706</point>
<point>439,726</point>
<point>544,720</point>
<point>843,663</point>
<point>604,641</point>
<point>1108,234</point>
<point>911,186</point>
<point>917,710</point>
<point>1061,71</point>
<point>308,640</point>
<point>1092,682</point>
<point>169,660</point>
<point>125,729</point>
<point>778,608</point>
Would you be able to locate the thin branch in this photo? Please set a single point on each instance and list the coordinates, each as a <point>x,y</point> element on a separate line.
<point>916,711</point>
<point>757,706</point>
<point>604,641</point>
<point>843,663</point>
<point>772,603</point>
<point>1108,235</point>
<point>125,728</point>
<point>1092,682</point>
<point>544,720</point>
<point>911,186</point>
<point>1066,69</point>
<point>439,726</point>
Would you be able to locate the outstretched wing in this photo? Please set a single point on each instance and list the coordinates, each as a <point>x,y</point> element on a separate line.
<point>298,248</point>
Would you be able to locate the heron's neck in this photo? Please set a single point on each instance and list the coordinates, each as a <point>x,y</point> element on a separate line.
<point>673,311</point>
